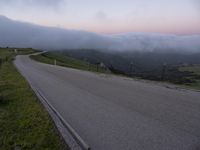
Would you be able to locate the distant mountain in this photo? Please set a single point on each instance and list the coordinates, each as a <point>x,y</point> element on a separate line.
<point>21,34</point>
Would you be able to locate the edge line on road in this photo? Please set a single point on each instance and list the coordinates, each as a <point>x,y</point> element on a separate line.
<point>75,135</point>
<point>81,143</point>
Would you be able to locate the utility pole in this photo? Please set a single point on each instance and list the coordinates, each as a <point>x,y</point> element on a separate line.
<point>163,71</point>
<point>88,64</point>
<point>97,67</point>
<point>1,61</point>
<point>131,68</point>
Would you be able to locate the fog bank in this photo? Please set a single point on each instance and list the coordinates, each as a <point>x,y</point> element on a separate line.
<point>20,34</point>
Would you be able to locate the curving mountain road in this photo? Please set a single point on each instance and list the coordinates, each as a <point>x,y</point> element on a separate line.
<point>117,113</point>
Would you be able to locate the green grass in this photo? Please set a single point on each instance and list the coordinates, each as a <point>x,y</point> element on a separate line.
<point>65,61</point>
<point>24,123</point>
<point>195,69</point>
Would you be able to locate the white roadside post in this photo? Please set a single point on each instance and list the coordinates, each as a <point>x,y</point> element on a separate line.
<point>55,62</point>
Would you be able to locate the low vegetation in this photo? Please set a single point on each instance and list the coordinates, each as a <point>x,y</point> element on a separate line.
<point>24,123</point>
<point>145,66</point>
<point>194,70</point>
<point>61,60</point>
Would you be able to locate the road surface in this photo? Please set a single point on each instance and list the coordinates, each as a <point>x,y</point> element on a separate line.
<point>117,113</point>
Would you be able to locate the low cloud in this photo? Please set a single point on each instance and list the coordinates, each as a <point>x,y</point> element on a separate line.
<point>100,15</point>
<point>30,3</point>
<point>18,34</point>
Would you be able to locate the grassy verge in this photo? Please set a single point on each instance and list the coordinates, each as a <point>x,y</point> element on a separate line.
<point>183,76</point>
<point>24,123</point>
<point>65,61</point>
<point>195,70</point>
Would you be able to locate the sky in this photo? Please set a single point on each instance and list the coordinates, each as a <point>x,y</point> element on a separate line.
<point>180,17</point>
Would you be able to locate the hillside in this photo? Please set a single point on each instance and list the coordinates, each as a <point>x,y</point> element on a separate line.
<point>146,65</point>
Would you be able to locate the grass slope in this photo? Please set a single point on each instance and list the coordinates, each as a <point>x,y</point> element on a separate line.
<point>195,70</point>
<point>65,61</point>
<point>179,76</point>
<point>24,124</point>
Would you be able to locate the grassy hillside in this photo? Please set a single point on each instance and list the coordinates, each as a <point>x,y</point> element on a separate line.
<point>24,123</point>
<point>144,65</point>
<point>142,62</point>
<point>195,70</point>
<point>66,61</point>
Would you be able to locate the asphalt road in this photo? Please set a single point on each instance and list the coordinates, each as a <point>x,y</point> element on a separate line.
<point>117,113</point>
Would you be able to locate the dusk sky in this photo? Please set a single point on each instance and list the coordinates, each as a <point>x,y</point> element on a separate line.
<point>180,17</point>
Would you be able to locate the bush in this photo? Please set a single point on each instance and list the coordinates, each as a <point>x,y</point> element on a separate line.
<point>3,100</point>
